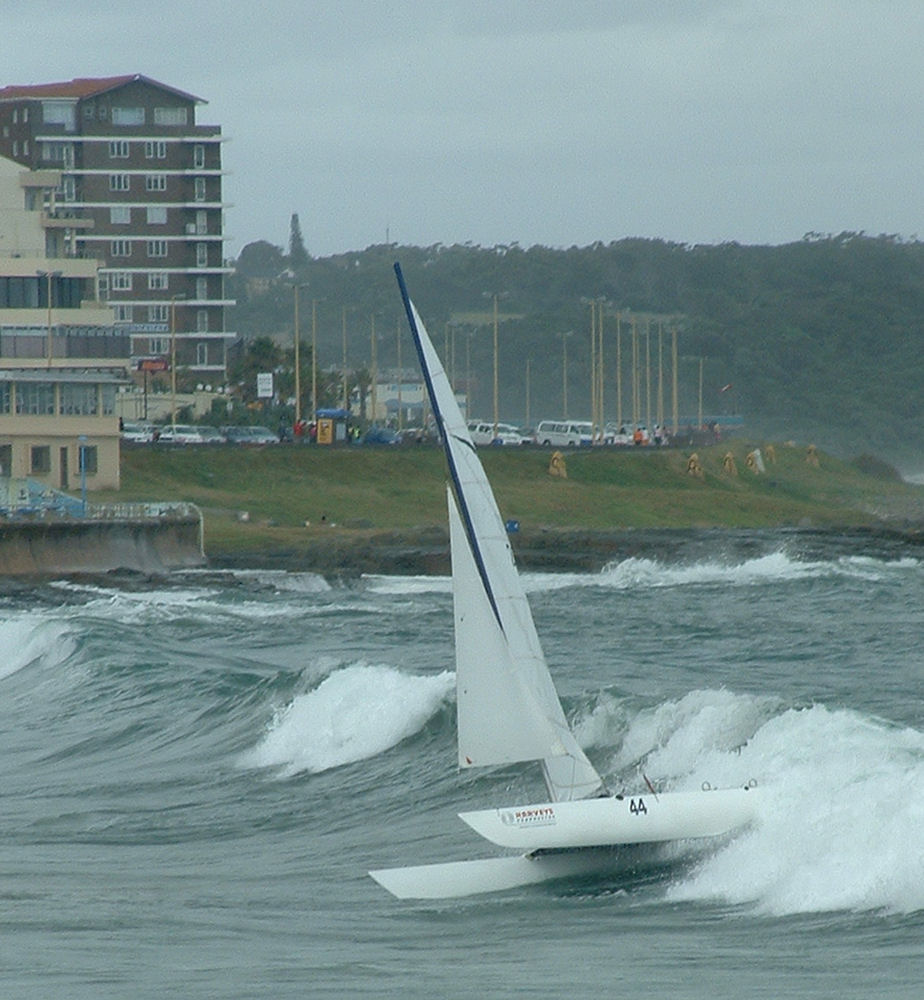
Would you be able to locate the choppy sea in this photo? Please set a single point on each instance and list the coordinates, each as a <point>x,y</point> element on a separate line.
<point>197,771</point>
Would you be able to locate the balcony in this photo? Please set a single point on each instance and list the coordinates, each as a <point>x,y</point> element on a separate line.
<point>64,220</point>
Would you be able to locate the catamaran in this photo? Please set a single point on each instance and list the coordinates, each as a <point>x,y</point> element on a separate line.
<point>508,710</point>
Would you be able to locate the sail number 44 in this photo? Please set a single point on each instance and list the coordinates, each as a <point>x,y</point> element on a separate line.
<point>637,807</point>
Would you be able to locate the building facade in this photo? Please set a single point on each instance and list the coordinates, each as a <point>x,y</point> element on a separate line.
<point>139,190</point>
<point>63,361</point>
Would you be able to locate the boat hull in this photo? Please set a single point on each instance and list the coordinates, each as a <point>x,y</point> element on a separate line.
<point>601,822</point>
<point>454,879</point>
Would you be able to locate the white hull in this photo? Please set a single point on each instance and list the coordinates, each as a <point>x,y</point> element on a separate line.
<point>454,879</point>
<point>602,822</point>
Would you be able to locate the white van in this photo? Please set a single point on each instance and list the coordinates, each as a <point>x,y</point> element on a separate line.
<point>564,433</point>
<point>482,432</point>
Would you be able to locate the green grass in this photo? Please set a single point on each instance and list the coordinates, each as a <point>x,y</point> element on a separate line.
<point>402,490</point>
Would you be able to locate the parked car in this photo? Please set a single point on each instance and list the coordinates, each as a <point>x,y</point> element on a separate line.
<point>135,432</point>
<point>249,435</point>
<point>180,434</point>
<point>483,432</point>
<point>210,435</point>
<point>564,433</point>
<point>617,434</point>
<point>380,435</point>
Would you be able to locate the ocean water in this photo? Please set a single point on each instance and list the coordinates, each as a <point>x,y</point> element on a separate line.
<point>198,771</point>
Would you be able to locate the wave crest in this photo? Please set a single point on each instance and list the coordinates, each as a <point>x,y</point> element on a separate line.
<point>354,713</point>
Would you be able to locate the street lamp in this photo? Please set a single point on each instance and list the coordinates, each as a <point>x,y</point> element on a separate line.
<point>298,371</point>
<point>82,457</point>
<point>49,275</point>
<point>375,371</point>
<point>314,359</point>
<point>564,372</point>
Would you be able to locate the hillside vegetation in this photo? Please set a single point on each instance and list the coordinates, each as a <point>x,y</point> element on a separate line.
<point>821,340</point>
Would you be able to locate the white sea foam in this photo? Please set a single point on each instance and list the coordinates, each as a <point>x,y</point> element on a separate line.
<point>166,604</point>
<point>33,640</point>
<point>638,573</point>
<point>840,802</point>
<point>354,713</point>
<point>635,573</point>
<point>401,585</point>
<point>285,580</point>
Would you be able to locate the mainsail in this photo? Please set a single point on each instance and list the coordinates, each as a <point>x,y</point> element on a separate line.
<point>508,708</point>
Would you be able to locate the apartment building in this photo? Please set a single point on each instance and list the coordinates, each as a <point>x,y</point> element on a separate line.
<point>139,191</point>
<point>63,361</point>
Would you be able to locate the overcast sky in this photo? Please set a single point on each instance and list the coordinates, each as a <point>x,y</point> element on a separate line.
<point>527,121</point>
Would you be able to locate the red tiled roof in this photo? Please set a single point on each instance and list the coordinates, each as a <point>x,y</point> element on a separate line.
<point>84,87</point>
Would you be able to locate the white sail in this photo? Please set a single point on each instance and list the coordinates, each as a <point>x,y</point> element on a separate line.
<point>508,708</point>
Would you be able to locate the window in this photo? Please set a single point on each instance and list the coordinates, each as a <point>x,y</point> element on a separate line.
<point>15,147</point>
<point>202,320</point>
<point>118,149</point>
<point>25,147</point>
<point>53,151</point>
<point>155,149</point>
<point>202,288</point>
<point>202,354</point>
<point>200,189</point>
<point>170,116</point>
<point>5,402</point>
<point>59,113</point>
<point>157,215</point>
<point>120,215</point>
<point>157,248</point>
<point>69,188</point>
<point>198,156</point>
<point>120,182</point>
<point>159,345</point>
<point>159,313</point>
<point>157,280</point>
<point>35,398</point>
<point>86,459</point>
<point>120,248</point>
<point>202,223</point>
<point>202,255</point>
<point>78,399</point>
<point>120,281</point>
<point>40,458</point>
<point>155,182</point>
<point>109,398</point>
<point>123,314</point>
<point>128,116</point>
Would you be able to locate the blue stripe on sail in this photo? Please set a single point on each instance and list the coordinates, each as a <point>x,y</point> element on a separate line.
<point>453,471</point>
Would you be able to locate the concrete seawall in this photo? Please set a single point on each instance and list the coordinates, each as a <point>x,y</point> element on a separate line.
<point>59,547</point>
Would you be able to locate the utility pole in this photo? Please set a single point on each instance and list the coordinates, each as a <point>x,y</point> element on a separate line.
<point>496,400</point>
<point>619,370</point>
<point>375,376</point>
<point>346,400</point>
<point>314,359</point>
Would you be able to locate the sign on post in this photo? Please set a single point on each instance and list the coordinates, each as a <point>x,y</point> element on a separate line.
<point>264,385</point>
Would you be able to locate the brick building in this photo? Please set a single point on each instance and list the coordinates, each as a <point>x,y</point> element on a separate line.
<point>140,191</point>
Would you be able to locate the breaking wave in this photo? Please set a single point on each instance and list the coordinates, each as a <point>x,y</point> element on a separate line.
<point>353,714</point>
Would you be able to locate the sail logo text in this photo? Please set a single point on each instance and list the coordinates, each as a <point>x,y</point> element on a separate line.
<point>540,816</point>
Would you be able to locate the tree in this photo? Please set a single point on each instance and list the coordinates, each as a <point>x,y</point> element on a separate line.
<point>260,260</point>
<point>298,255</point>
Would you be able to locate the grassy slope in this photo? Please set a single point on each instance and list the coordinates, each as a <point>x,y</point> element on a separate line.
<point>366,491</point>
